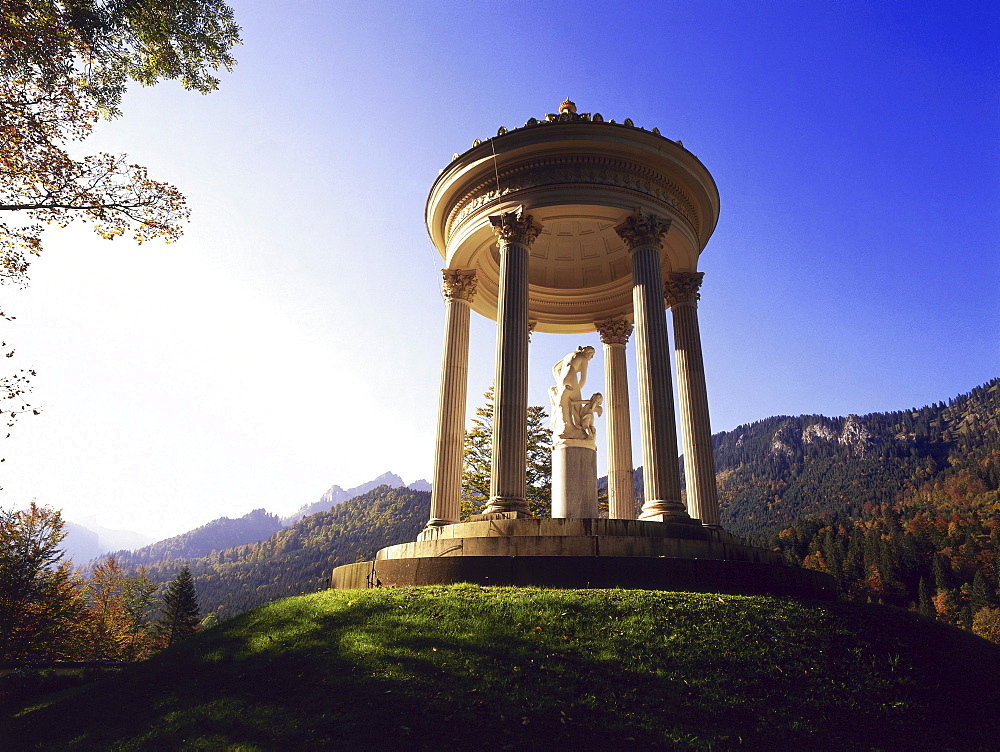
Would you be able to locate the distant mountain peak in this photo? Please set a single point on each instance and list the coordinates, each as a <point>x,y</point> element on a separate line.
<point>336,495</point>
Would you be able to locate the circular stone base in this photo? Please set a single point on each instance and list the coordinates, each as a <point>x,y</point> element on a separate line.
<point>588,553</point>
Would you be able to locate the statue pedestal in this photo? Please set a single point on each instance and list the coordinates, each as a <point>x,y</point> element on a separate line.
<point>574,479</point>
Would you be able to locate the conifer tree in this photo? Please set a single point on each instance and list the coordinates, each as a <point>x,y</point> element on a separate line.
<point>180,609</point>
<point>943,578</point>
<point>980,596</point>
<point>479,454</point>
<point>926,603</point>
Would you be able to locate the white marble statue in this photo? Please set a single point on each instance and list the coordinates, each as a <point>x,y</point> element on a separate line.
<point>572,415</point>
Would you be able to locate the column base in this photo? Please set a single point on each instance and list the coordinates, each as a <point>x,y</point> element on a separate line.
<point>436,523</point>
<point>507,504</point>
<point>500,516</point>
<point>666,511</point>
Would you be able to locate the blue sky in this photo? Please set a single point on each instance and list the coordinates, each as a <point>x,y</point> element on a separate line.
<point>291,340</point>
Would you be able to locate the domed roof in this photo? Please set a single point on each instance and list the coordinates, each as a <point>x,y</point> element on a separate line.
<point>579,176</point>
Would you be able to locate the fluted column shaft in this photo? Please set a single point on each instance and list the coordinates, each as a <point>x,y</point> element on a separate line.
<point>621,486</point>
<point>681,294</point>
<point>515,232</point>
<point>459,287</point>
<point>661,477</point>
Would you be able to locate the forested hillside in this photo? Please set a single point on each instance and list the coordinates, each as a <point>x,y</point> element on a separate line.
<point>299,559</point>
<point>217,535</point>
<point>901,508</point>
<point>781,469</point>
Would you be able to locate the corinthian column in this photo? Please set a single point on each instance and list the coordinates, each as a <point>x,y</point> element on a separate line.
<point>515,233</point>
<point>681,293</point>
<point>459,287</point>
<point>621,487</point>
<point>642,234</point>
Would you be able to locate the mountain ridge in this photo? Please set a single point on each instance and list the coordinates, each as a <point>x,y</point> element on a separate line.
<point>86,540</point>
<point>771,473</point>
<point>337,495</point>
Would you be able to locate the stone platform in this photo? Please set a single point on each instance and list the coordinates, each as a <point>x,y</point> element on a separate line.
<point>582,553</point>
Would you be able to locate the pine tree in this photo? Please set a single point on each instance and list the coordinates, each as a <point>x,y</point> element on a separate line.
<point>180,609</point>
<point>943,577</point>
<point>479,454</point>
<point>980,596</point>
<point>926,604</point>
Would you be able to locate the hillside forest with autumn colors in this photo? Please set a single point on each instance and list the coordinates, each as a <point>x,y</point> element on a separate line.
<point>901,508</point>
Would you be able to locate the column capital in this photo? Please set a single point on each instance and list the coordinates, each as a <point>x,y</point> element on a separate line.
<point>614,331</point>
<point>459,284</point>
<point>681,288</point>
<point>642,229</point>
<point>515,227</point>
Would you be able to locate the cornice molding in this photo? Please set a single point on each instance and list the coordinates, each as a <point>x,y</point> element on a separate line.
<point>595,170</point>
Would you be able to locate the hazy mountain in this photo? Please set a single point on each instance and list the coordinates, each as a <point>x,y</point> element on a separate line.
<point>300,558</point>
<point>337,495</point>
<point>420,485</point>
<point>217,535</point>
<point>86,540</point>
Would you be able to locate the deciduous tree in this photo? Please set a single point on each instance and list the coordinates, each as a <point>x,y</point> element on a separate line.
<point>119,607</point>
<point>41,613</point>
<point>63,64</point>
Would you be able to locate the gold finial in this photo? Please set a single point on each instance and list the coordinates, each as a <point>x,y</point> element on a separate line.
<point>567,106</point>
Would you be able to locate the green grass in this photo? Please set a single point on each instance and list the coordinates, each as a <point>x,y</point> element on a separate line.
<point>468,667</point>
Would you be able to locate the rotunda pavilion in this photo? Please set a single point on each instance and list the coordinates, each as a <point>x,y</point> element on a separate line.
<point>576,224</point>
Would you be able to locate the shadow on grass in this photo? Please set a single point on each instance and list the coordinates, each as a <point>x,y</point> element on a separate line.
<point>476,668</point>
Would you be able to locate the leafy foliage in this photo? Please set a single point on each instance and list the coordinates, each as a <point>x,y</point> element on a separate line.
<point>778,470</point>
<point>63,64</point>
<point>478,456</point>
<point>40,606</point>
<point>901,508</point>
<point>50,612</point>
<point>120,607</point>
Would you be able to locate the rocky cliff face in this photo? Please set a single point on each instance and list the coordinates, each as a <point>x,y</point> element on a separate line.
<point>776,470</point>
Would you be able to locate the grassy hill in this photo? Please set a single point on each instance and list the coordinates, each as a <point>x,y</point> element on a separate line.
<point>503,668</point>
